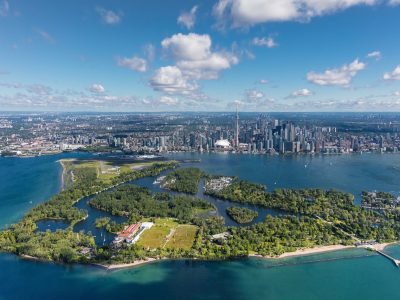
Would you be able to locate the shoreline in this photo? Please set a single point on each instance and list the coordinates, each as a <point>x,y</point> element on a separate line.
<point>136,263</point>
<point>62,175</point>
<point>299,252</point>
<point>322,249</point>
<point>307,251</point>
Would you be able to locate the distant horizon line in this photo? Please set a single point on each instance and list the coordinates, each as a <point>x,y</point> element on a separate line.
<point>198,112</point>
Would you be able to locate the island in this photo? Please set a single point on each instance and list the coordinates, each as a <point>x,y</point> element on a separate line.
<point>241,215</point>
<point>183,180</point>
<point>160,228</point>
<point>101,222</point>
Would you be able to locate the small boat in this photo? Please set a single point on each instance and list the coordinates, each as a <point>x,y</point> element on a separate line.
<point>330,164</point>
<point>305,166</point>
<point>275,183</point>
<point>30,202</point>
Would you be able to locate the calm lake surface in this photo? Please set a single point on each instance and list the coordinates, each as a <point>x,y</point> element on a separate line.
<point>335,275</point>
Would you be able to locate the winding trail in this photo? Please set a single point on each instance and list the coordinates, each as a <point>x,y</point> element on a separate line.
<point>346,233</point>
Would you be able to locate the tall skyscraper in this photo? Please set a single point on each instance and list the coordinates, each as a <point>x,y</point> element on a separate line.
<point>237,129</point>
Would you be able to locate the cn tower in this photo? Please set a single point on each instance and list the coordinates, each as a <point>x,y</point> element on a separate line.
<point>237,129</point>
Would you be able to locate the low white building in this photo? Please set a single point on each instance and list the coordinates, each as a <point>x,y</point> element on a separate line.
<point>147,225</point>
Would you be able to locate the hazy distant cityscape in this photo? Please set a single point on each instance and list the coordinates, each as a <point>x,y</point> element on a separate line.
<point>38,134</point>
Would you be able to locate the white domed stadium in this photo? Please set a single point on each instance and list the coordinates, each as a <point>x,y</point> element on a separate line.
<point>222,144</point>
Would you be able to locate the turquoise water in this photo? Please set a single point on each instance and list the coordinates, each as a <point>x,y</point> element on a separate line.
<point>357,278</point>
<point>320,276</point>
<point>23,180</point>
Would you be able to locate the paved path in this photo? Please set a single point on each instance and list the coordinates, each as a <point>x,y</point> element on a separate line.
<point>346,233</point>
<point>102,167</point>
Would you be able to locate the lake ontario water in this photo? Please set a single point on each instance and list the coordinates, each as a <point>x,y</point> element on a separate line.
<point>347,274</point>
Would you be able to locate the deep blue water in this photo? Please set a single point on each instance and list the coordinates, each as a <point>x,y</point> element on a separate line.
<point>37,179</point>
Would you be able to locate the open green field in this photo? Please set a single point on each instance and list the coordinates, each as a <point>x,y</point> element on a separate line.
<point>202,210</point>
<point>184,237</point>
<point>125,166</point>
<point>155,236</point>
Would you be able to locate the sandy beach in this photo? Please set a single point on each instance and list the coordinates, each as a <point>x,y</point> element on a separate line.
<point>321,249</point>
<point>32,257</point>
<point>63,173</point>
<point>136,263</point>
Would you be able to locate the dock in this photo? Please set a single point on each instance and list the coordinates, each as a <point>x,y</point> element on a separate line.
<point>396,262</point>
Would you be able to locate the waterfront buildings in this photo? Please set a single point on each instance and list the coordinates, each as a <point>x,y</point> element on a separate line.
<point>254,133</point>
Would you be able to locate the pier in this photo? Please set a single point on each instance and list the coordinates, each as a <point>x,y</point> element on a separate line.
<point>396,262</point>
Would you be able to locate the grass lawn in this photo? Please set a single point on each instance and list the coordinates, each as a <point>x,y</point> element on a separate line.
<point>155,236</point>
<point>106,177</point>
<point>86,164</point>
<point>202,210</point>
<point>183,237</point>
<point>125,169</point>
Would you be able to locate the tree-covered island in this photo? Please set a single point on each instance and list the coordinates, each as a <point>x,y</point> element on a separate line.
<point>242,215</point>
<point>101,222</point>
<point>183,180</point>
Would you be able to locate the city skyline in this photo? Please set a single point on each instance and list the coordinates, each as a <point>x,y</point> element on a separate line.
<point>193,56</point>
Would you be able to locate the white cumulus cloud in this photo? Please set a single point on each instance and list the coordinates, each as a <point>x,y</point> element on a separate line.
<point>376,54</point>
<point>4,71</point>
<point>188,47</point>
<point>264,81</point>
<point>195,58</point>
<point>188,18</point>
<point>135,63</point>
<point>336,76</point>
<point>299,93</point>
<point>252,96</point>
<point>162,101</point>
<point>208,68</point>
<point>171,81</point>
<point>395,75</point>
<point>17,85</point>
<point>251,12</point>
<point>96,88</point>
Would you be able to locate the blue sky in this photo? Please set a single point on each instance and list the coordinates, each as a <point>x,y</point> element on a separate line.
<point>263,55</point>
